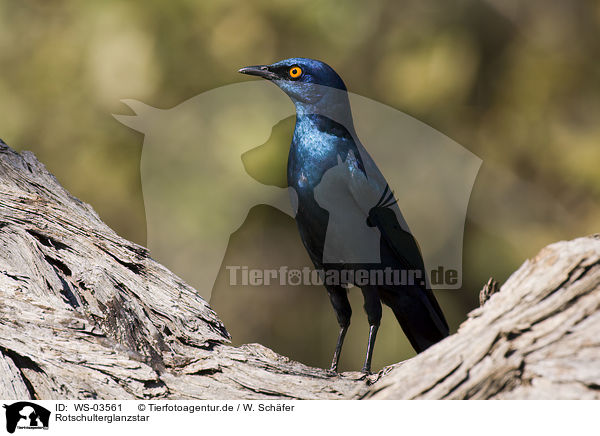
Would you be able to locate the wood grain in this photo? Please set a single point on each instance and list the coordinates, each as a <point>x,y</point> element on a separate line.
<point>85,313</point>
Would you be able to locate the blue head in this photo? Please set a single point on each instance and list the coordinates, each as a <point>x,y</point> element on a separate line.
<point>313,86</point>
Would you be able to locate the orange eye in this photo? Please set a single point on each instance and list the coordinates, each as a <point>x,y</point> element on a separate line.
<point>295,72</point>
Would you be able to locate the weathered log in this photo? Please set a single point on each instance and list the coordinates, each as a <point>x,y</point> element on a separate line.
<point>537,337</point>
<point>85,313</point>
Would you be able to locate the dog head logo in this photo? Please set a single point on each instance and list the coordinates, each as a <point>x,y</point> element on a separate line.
<point>26,415</point>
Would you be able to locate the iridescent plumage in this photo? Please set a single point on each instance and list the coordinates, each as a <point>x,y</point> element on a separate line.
<point>344,202</point>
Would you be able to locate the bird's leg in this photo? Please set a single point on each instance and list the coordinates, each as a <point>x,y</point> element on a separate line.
<point>338,348</point>
<point>372,335</point>
<point>343,311</point>
<point>373,309</point>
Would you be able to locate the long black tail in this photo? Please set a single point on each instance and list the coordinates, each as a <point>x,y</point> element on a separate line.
<point>419,315</point>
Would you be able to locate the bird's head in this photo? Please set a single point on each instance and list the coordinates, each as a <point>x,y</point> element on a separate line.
<point>307,82</point>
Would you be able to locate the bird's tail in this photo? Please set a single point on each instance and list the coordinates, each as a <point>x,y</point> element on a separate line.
<point>419,315</point>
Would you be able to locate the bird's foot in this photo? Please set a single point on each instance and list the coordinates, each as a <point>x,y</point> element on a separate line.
<point>333,371</point>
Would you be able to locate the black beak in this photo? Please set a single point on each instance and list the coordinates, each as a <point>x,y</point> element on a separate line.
<point>260,71</point>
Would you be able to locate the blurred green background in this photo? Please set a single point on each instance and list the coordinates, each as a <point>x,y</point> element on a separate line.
<point>517,83</point>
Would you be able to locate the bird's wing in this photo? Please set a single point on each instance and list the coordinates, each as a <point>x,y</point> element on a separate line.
<point>401,242</point>
<point>406,253</point>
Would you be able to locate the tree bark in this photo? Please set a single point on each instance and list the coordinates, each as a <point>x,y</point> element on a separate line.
<point>85,313</point>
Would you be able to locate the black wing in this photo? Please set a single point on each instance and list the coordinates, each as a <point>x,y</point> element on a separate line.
<point>400,250</point>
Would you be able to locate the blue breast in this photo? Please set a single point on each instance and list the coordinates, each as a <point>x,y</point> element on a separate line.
<point>315,147</point>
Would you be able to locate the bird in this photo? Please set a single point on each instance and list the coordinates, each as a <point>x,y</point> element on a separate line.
<point>343,203</point>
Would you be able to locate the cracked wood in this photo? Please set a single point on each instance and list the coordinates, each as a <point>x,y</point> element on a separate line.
<point>85,313</point>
